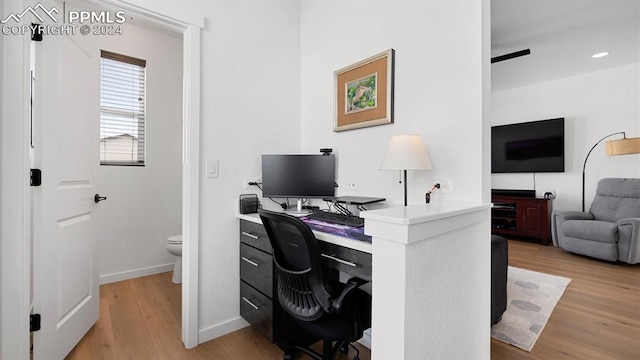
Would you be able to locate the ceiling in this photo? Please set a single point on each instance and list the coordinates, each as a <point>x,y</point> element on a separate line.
<point>562,36</point>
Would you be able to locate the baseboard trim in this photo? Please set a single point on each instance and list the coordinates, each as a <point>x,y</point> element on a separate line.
<point>135,273</point>
<point>238,323</point>
<point>221,329</point>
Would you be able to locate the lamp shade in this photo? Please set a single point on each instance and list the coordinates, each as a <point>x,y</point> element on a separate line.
<point>406,152</point>
<point>623,146</point>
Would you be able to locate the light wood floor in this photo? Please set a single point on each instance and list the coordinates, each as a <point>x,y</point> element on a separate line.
<point>598,317</point>
<point>140,320</point>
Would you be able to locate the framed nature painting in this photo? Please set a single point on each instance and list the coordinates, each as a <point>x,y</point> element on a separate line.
<point>364,93</point>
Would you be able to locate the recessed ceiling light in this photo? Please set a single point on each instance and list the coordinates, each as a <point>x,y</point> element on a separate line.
<point>600,54</point>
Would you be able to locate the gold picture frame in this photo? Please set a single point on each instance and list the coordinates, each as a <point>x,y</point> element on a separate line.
<point>364,93</point>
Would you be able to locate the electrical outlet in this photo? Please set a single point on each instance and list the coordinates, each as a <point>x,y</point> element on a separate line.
<point>247,180</point>
<point>446,186</point>
<point>352,185</point>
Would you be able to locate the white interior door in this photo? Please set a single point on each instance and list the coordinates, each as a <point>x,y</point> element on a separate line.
<point>66,133</point>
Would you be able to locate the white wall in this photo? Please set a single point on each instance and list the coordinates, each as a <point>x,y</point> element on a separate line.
<point>14,194</point>
<point>438,90</point>
<point>1,187</point>
<point>593,105</point>
<point>250,106</point>
<point>143,204</point>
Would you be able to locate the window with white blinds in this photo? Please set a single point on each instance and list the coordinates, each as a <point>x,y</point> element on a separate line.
<point>122,109</point>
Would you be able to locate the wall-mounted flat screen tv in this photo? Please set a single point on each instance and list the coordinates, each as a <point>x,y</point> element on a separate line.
<point>536,146</point>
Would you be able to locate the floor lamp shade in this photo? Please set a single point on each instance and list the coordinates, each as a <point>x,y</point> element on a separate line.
<point>623,146</point>
<point>406,152</point>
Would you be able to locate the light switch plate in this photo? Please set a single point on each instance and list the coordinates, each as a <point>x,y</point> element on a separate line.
<point>212,168</point>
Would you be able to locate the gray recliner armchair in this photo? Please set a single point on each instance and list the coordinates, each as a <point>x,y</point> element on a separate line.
<point>611,228</point>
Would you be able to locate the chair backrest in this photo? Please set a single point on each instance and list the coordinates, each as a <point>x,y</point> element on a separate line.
<point>616,198</point>
<point>298,266</point>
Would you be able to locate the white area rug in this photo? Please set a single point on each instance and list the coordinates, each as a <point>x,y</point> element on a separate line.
<point>531,297</point>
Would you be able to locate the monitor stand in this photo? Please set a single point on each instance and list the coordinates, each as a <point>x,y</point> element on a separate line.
<point>298,211</point>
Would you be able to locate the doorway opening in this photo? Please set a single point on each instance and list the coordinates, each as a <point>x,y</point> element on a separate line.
<point>190,35</point>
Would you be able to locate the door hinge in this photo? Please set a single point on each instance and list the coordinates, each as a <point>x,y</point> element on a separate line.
<point>34,322</point>
<point>36,32</point>
<point>36,177</point>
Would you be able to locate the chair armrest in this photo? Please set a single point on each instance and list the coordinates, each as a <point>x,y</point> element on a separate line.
<point>629,221</point>
<point>558,217</point>
<point>350,285</point>
<point>573,215</point>
<point>629,240</point>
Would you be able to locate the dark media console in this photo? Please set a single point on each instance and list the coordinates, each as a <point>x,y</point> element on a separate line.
<point>513,193</point>
<point>518,213</point>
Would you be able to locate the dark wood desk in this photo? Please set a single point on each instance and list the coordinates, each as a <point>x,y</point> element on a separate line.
<point>258,303</point>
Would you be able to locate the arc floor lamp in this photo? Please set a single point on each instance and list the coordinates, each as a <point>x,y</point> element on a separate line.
<point>624,146</point>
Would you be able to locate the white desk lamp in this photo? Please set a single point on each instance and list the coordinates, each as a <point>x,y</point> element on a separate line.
<point>406,152</point>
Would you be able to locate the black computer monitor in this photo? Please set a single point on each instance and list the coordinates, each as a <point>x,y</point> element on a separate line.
<point>298,176</point>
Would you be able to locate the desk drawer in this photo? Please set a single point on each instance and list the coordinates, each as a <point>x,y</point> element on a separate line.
<point>254,235</point>
<point>350,261</point>
<point>257,309</point>
<point>256,268</point>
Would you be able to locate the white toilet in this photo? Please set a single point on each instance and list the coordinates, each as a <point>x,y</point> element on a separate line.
<point>174,247</point>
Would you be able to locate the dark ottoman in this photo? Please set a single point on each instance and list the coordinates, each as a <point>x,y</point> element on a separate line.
<point>499,263</point>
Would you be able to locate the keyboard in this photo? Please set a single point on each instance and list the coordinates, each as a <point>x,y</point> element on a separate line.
<point>337,218</point>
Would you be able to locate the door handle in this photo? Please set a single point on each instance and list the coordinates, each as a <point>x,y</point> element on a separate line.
<point>99,198</point>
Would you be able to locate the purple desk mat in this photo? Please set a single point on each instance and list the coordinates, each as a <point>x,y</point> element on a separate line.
<point>338,230</point>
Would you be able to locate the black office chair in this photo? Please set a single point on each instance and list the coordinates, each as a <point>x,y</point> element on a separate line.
<point>331,311</point>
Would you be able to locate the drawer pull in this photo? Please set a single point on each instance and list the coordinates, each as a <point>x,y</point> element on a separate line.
<point>250,303</point>
<point>250,261</point>
<point>344,262</point>
<point>250,235</point>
